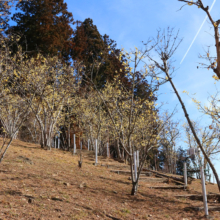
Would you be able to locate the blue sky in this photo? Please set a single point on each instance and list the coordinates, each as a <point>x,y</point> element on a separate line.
<point>129,22</point>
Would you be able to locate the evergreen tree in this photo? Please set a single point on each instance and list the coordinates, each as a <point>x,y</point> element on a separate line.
<point>45,27</point>
<point>182,157</point>
<point>100,57</point>
<point>98,54</point>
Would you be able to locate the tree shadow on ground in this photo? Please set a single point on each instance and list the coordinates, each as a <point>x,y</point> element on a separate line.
<point>115,180</point>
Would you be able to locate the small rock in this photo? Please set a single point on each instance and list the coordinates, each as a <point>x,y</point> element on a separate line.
<point>66,184</point>
<point>30,200</point>
<point>115,192</point>
<point>149,215</point>
<point>82,185</point>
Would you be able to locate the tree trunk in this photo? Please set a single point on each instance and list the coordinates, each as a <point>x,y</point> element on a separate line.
<point>134,188</point>
<point>42,139</point>
<point>118,149</point>
<point>191,126</point>
<point>126,157</point>
<point>134,182</point>
<point>123,154</point>
<point>50,132</point>
<point>45,129</point>
<point>8,145</point>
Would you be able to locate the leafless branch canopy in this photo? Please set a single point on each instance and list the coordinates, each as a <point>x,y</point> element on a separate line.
<point>215,25</point>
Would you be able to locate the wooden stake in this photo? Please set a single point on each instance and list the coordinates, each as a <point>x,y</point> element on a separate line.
<point>185,174</point>
<point>135,166</point>
<point>107,150</point>
<point>74,144</point>
<point>204,192</point>
<point>137,158</point>
<point>96,152</point>
<point>59,140</point>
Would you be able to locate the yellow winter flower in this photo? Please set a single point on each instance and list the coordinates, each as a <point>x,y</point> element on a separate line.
<point>215,77</point>
<point>190,3</point>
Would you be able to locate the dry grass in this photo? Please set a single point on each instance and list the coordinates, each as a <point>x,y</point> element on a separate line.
<point>53,187</point>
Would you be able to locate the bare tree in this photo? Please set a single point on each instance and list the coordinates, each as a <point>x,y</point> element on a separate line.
<point>14,111</point>
<point>168,138</point>
<point>214,61</point>
<point>135,121</point>
<point>165,50</point>
<point>209,137</point>
<point>51,82</point>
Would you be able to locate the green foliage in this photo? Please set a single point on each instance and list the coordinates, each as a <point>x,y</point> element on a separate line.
<point>182,157</point>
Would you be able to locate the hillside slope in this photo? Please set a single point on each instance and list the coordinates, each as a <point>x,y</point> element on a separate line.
<point>44,185</point>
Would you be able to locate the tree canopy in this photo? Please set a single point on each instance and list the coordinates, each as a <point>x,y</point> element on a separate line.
<point>45,27</point>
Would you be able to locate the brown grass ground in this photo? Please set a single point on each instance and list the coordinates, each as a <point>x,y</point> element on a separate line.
<point>53,187</point>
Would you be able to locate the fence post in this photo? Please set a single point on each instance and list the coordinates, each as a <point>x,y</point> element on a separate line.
<point>107,150</point>
<point>58,140</point>
<point>135,166</point>
<point>88,144</point>
<point>96,152</point>
<point>137,158</point>
<point>74,144</point>
<point>81,145</point>
<point>55,142</point>
<point>204,191</point>
<point>185,173</point>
